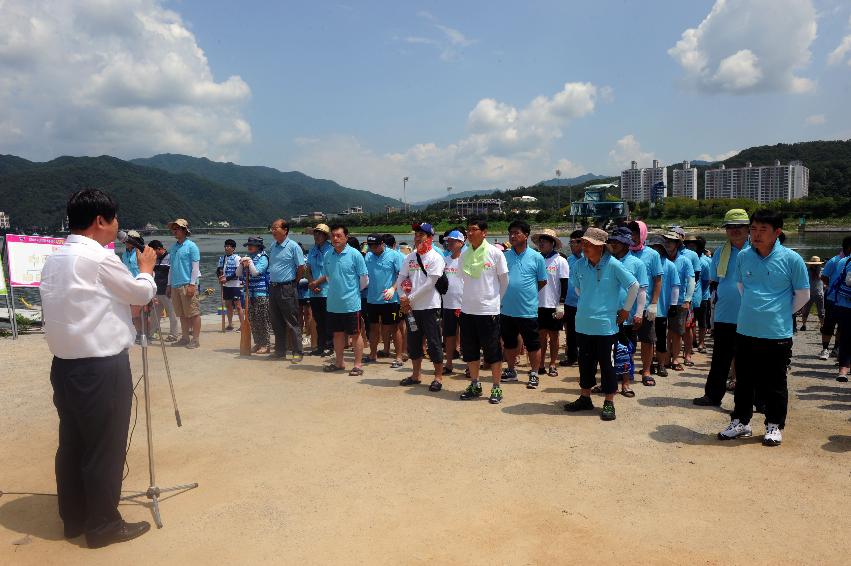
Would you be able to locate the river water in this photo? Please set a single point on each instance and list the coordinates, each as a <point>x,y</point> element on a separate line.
<point>824,245</point>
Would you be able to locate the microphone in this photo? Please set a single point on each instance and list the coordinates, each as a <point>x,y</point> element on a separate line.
<point>124,238</point>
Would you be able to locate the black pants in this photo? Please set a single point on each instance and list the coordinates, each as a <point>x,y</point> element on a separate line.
<point>319,308</point>
<point>843,316</point>
<point>92,397</point>
<point>594,351</point>
<point>284,308</point>
<point>723,352</point>
<point>571,345</point>
<point>428,327</point>
<point>761,372</point>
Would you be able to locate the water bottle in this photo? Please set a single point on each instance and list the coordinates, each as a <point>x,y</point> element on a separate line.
<point>412,322</point>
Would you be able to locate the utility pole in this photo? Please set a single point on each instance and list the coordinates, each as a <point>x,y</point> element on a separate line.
<point>558,183</point>
<point>449,202</point>
<point>405,194</point>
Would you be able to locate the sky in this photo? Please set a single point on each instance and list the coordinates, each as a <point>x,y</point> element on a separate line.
<point>469,95</point>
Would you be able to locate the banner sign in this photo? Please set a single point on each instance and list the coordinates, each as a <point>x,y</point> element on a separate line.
<point>2,282</point>
<point>26,256</point>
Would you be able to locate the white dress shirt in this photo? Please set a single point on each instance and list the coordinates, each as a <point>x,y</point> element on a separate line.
<point>86,293</point>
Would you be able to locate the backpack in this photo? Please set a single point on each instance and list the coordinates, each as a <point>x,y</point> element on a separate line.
<point>442,284</point>
<point>841,286</point>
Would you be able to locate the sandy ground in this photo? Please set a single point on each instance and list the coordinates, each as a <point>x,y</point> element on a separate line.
<point>300,467</point>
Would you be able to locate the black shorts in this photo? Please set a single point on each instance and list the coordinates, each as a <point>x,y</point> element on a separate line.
<point>547,322</point>
<point>647,332</point>
<point>480,332</point>
<point>428,328</point>
<point>677,320</point>
<point>232,294</point>
<point>384,313</point>
<point>450,323</point>
<point>348,322</point>
<point>304,302</point>
<point>512,326</point>
<point>661,324</point>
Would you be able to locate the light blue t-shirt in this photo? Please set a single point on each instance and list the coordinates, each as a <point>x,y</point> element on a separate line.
<point>705,262</point>
<point>670,279</point>
<point>841,265</point>
<point>344,271</point>
<point>599,294</point>
<point>638,270</point>
<point>769,285</point>
<point>316,261</point>
<point>128,258</point>
<point>524,272</point>
<point>727,296</point>
<point>832,275</point>
<point>571,299</point>
<point>284,261</point>
<point>696,267</point>
<point>383,270</point>
<point>651,260</point>
<point>686,271</point>
<point>182,256</point>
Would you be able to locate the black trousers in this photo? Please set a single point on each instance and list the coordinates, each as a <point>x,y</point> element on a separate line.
<point>593,351</point>
<point>93,398</point>
<point>428,327</point>
<point>284,310</point>
<point>761,372</point>
<point>723,352</point>
<point>571,345</point>
<point>319,308</point>
<point>843,316</point>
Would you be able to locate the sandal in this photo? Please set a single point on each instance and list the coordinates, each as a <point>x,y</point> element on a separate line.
<point>552,371</point>
<point>435,386</point>
<point>628,393</point>
<point>332,367</point>
<point>396,364</point>
<point>648,381</point>
<point>701,350</point>
<point>448,370</point>
<point>688,363</point>
<point>596,389</point>
<point>410,381</point>
<point>356,372</point>
<point>368,360</point>
<point>676,367</point>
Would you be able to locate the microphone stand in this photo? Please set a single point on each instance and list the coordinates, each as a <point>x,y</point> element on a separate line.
<point>153,492</point>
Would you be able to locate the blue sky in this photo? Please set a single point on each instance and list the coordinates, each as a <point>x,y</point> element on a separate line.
<point>444,92</point>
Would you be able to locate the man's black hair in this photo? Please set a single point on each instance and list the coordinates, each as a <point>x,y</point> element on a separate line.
<point>155,244</point>
<point>701,244</point>
<point>522,225</point>
<point>389,239</point>
<point>576,234</point>
<point>846,244</point>
<point>354,242</point>
<point>340,227</point>
<point>461,229</point>
<point>768,216</point>
<point>478,221</point>
<point>86,205</point>
<point>231,243</point>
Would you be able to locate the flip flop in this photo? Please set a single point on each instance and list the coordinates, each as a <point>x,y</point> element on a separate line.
<point>356,372</point>
<point>396,364</point>
<point>676,367</point>
<point>332,367</point>
<point>688,363</point>
<point>409,381</point>
<point>552,371</point>
<point>628,393</point>
<point>435,386</point>
<point>596,389</point>
<point>648,381</point>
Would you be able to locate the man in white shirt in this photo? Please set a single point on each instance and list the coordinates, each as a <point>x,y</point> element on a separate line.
<point>86,293</point>
<point>485,274</point>
<point>420,300</point>
<point>454,243</point>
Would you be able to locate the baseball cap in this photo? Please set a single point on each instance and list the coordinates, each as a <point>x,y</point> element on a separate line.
<point>423,227</point>
<point>254,241</point>
<point>374,239</point>
<point>621,234</point>
<point>678,230</point>
<point>736,217</point>
<point>456,235</point>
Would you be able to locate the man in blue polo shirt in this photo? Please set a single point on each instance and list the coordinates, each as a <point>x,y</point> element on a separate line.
<point>383,266</point>
<point>722,273</point>
<point>774,284</point>
<point>668,296</point>
<point>571,300</point>
<point>697,266</point>
<point>286,267</point>
<point>183,283</point>
<point>830,278</point>
<point>678,314</point>
<point>527,274</point>
<point>653,264</point>
<point>318,295</point>
<point>598,278</point>
<point>345,272</point>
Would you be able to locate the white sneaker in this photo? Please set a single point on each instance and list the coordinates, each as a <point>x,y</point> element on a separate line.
<point>773,436</point>
<point>735,430</point>
<point>824,355</point>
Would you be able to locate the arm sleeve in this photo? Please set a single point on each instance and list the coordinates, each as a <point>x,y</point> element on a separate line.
<point>503,284</point>
<point>689,289</point>
<point>118,281</point>
<point>563,291</point>
<point>675,295</point>
<point>631,294</point>
<point>802,296</point>
<point>364,282</point>
<point>642,298</point>
<point>196,272</point>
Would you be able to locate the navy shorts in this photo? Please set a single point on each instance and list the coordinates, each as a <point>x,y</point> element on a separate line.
<point>232,294</point>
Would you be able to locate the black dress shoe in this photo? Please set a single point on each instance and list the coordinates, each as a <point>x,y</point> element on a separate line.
<point>73,531</point>
<point>277,355</point>
<point>705,402</point>
<point>126,531</point>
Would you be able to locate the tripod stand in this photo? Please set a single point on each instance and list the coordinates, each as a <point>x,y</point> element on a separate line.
<point>153,492</point>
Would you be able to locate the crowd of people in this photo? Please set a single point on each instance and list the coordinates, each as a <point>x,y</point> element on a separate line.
<point>632,305</point>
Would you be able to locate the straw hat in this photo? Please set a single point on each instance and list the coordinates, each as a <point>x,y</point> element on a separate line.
<point>180,223</point>
<point>815,260</point>
<point>549,233</point>
<point>595,236</point>
<point>322,228</point>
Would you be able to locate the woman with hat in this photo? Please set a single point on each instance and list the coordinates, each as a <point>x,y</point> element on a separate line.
<point>256,263</point>
<point>551,296</point>
<point>816,292</point>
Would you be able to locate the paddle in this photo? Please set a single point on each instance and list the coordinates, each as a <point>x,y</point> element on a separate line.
<point>222,309</point>
<point>245,329</point>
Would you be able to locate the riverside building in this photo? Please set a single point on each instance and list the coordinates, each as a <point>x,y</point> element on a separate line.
<point>764,184</point>
<point>640,185</point>
<point>684,182</point>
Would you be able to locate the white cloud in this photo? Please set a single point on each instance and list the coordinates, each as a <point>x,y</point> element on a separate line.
<point>122,77</point>
<point>504,147</point>
<point>815,120</point>
<point>747,46</point>
<point>450,41</point>
<point>628,149</point>
<point>842,50</point>
<point>717,157</point>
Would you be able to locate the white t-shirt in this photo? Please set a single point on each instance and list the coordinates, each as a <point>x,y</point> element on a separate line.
<point>481,296</point>
<point>452,298</point>
<point>422,298</point>
<point>557,269</point>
